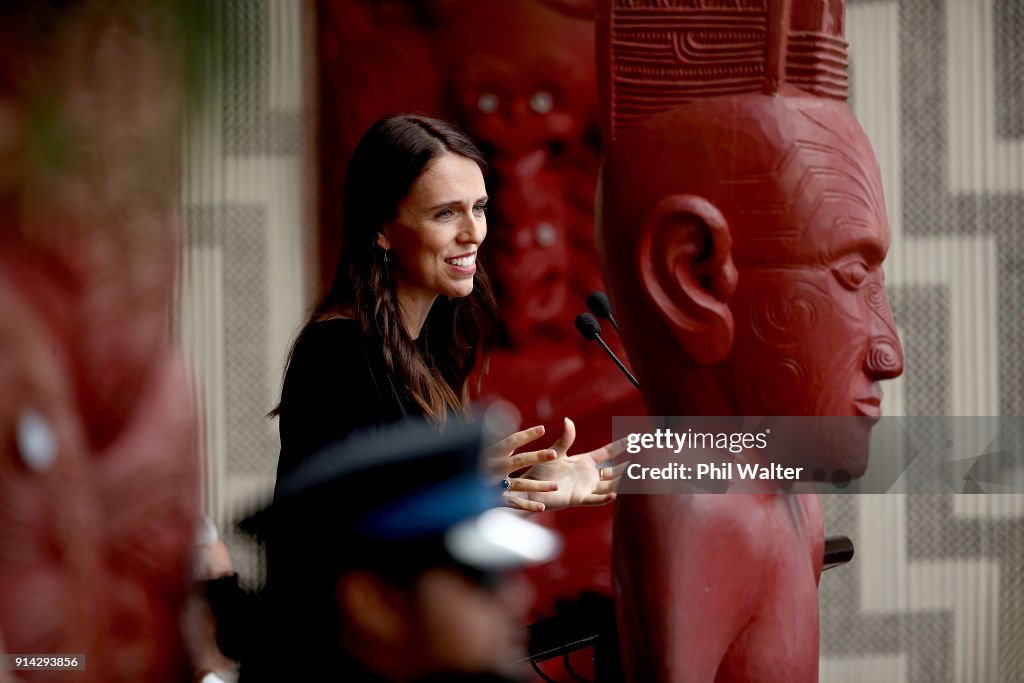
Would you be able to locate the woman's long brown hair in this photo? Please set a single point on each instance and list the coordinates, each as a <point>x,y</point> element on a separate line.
<point>389,158</point>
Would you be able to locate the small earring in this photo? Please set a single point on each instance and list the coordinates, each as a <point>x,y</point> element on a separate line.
<point>385,256</point>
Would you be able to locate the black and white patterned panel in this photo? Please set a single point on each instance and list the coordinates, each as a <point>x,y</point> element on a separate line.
<point>958,569</point>
<point>1008,17</point>
<point>238,234</point>
<point>930,208</point>
<point>923,314</point>
<point>252,125</point>
<point>246,212</point>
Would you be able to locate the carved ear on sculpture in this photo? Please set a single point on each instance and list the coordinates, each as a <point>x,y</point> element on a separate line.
<point>687,272</point>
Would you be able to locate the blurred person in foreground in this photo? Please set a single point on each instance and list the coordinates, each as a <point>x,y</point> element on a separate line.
<point>216,581</point>
<point>378,578</point>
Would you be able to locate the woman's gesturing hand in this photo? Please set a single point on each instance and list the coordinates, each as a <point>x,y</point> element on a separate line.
<point>579,479</point>
<point>501,461</point>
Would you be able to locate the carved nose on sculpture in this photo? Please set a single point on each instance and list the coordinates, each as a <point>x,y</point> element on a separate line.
<point>885,357</point>
<point>885,352</point>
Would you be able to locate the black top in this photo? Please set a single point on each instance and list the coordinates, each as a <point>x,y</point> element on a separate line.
<point>336,384</point>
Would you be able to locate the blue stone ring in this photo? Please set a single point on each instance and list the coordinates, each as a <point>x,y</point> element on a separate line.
<point>506,484</point>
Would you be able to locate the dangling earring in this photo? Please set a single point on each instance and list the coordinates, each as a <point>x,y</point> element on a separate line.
<point>387,272</point>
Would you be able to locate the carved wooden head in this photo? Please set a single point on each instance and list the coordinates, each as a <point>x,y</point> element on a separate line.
<point>743,224</point>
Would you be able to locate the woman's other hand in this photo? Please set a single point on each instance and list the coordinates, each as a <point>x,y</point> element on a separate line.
<point>579,479</point>
<point>502,461</point>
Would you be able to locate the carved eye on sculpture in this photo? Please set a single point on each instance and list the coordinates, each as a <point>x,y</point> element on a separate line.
<point>546,235</point>
<point>851,274</point>
<point>488,103</point>
<point>37,443</point>
<point>542,102</point>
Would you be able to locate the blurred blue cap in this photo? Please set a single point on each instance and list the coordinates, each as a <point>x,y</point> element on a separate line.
<point>407,484</point>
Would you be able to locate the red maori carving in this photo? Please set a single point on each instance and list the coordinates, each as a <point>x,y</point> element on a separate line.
<point>98,443</point>
<point>742,235</point>
<point>664,54</point>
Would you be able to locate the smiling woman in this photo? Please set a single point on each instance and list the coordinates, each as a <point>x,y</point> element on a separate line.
<point>435,236</point>
<point>370,354</point>
<point>409,313</point>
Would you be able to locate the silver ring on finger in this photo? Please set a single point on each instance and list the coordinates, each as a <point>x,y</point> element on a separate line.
<point>506,484</point>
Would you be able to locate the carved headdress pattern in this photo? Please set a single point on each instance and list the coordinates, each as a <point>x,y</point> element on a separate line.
<point>658,54</point>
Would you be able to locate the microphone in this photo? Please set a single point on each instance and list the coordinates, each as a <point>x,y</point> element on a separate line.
<point>588,326</point>
<point>599,305</point>
<point>838,551</point>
